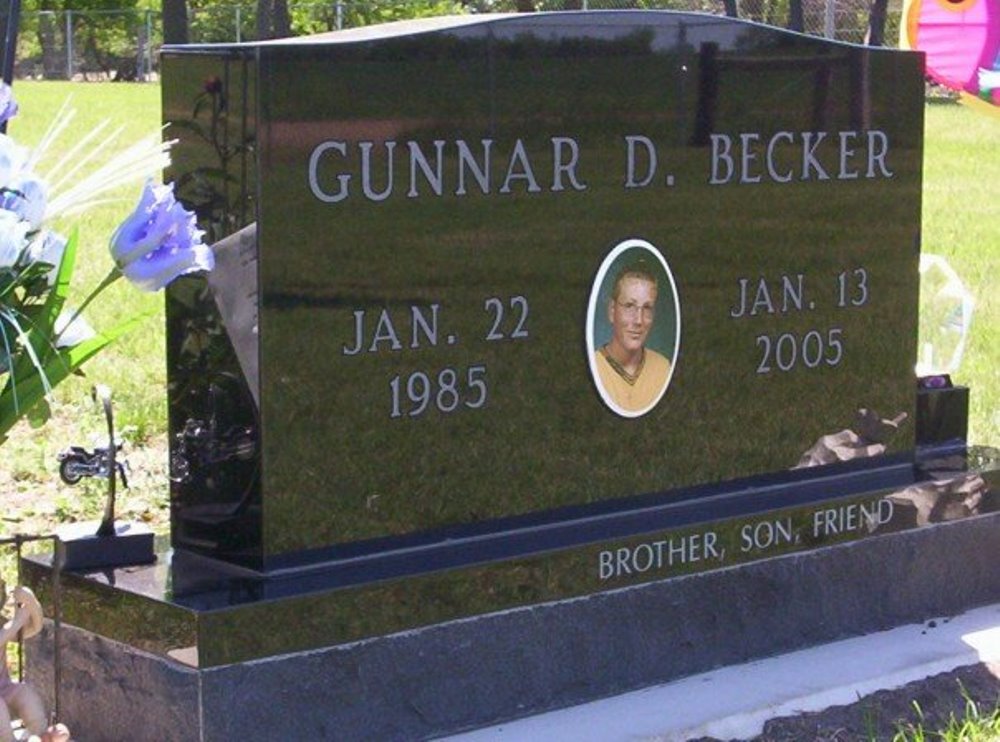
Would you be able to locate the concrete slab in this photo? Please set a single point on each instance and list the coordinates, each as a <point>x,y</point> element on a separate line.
<point>736,701</point>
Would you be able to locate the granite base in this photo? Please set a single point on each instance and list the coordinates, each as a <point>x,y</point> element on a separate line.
<point>482,670</point>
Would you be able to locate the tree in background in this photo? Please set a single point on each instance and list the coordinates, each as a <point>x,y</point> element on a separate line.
<point>175,22</point>
<point>875,35</point>
<point>46,37</point>
<point>329,16</point>
<point>89,36</point>
<point>273,21</point>
<point>796,17</point>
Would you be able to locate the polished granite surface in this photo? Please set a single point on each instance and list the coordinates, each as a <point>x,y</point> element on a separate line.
<point>186,601</point>
<point>438,217</point>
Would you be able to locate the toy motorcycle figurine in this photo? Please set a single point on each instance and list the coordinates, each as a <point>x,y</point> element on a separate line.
<point>77,462</point>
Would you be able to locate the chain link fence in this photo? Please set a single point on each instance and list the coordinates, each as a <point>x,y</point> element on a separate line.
<point>88,45</point>
<point>124,44</point>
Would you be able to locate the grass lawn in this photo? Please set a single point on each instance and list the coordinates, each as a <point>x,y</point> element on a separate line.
<point>961,218</point>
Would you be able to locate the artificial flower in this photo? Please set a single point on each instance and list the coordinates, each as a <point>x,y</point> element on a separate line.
<point>159,241</point>
<point>47,247</point>
<point>42,341</point>
<point>26,197</point>
<point>13,160</point>
<point>154,219</point>
<point>21,191</point>
<point>13,238</point>
<point>71,329</point>
<point>162,266</point>
<point>8,106</point>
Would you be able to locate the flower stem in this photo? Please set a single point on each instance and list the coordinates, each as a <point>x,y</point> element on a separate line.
<point>113,275</point>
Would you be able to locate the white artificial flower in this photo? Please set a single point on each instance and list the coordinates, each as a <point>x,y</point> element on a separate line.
<point>71,329</point>
<point>21,191</point>
<point>13,160</point>
<point>46,247</point>
<point>13,238</point>
<point>31,200</point>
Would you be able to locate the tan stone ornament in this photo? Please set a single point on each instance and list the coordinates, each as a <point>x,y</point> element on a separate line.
<point>21,700</point>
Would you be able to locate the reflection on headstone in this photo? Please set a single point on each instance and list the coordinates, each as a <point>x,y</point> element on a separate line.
<point>945,317</point>
<point>234,286</point>
<point>942,500</point>
<point>867,437</point>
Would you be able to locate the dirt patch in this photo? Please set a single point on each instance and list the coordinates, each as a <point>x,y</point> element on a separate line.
<point>881,715</point>
<point>34,500</point>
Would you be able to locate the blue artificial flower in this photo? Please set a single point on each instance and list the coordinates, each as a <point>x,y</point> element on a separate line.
<point>147,226</point>
<point>159,241</point>
<point>8,106</point>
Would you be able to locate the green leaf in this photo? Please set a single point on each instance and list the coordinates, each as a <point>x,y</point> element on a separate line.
<point>41,319</point>
<point>60,290</point>
<point>29,388</point>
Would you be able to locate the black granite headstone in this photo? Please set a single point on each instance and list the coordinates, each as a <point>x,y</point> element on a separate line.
<point>437,218</point>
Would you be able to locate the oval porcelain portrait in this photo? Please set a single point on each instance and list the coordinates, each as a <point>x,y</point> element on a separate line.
<point>633,328</point>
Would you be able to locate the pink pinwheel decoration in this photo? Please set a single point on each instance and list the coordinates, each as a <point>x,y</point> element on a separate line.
<point>961,39</point>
